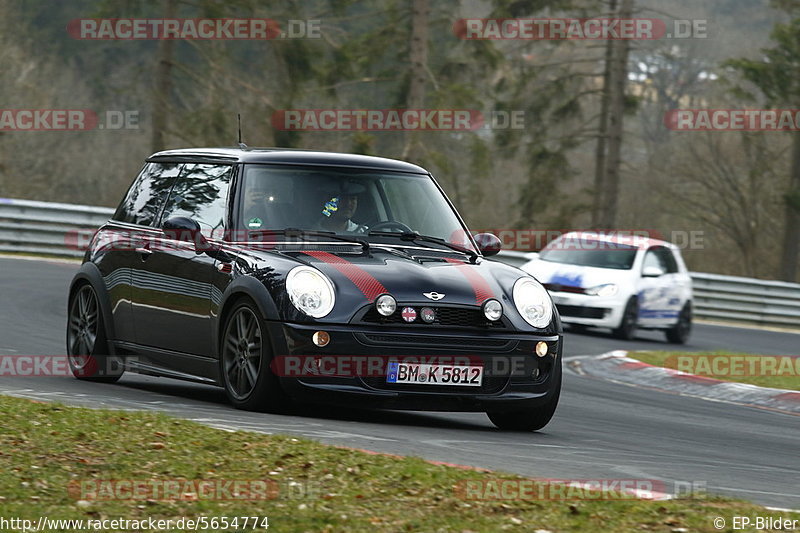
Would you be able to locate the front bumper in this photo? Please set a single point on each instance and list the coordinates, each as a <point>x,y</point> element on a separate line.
<point>515,378</point>
<point>589,310</point>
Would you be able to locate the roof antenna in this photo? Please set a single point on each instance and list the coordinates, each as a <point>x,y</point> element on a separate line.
<point>241,144</point>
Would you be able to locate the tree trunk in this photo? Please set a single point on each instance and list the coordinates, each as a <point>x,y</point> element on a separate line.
<point>618,77</point>
<point>602,132</point>
<point>418,55</point>
<point>791,232</point>
<point>163,83</point>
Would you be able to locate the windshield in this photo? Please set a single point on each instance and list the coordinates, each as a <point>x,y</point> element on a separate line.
<point>591,253</point>
<point>349,202</point>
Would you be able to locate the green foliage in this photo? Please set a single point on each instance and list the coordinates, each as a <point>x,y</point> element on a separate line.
<point>777,74</point>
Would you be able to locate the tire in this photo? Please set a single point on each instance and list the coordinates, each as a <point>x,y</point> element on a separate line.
<point>680,332</point>
<point>627,326</point>
<point>526,420</point>
<point>245,357</point>
<point>88,351</point>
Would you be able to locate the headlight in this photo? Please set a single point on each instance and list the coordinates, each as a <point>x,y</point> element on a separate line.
<point>492,310</point>
<point>386,304</point>
<point>609,289</point>
<point>533,302</point>
<point>310,291</point>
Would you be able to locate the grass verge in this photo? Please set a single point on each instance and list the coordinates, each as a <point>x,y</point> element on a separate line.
<point>778,372</point>
<point>49,453</point>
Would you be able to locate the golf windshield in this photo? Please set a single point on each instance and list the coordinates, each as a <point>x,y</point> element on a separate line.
<point>357,203</point>
<point>592,253</point>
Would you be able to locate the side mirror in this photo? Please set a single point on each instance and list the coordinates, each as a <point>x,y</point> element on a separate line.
<point>186,230</point>
<point>652,272</point>
<point>488,243</point>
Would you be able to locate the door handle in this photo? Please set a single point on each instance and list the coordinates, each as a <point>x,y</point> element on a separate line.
<point>144,252</point>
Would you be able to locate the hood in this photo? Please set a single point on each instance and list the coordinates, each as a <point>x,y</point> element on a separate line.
<point>361,278</point>
<point>575,275</point>
<point>406,274</point>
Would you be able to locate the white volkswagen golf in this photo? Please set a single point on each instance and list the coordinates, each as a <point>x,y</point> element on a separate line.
<point>618,282</point>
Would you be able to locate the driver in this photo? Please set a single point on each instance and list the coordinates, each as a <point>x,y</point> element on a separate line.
<point>338,210</point>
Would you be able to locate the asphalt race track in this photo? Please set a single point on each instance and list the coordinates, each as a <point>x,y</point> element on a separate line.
<point>601,429</point>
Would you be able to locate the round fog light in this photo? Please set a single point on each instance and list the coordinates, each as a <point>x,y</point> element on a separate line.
<point>386,304</point>
<point>541,348</point>
<point>492,310</point>
<point>321,338</point>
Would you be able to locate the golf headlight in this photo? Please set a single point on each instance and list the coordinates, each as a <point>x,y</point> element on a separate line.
<point>533,302</point>
<point>609,289</point>
<point>310,291</point>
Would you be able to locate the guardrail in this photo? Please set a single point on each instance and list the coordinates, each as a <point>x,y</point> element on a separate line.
<point>60,229</point>
<point>47,228</point>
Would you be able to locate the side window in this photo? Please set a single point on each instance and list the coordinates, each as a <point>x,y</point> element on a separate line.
<point>201,193</point>
<point>147,194</point>
<point>654,259</point>
<point>670,264</point>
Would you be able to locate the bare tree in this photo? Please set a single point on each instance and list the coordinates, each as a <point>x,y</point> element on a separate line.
<point>163,82</point>
<point>617,81</point>
<point>418,56</point>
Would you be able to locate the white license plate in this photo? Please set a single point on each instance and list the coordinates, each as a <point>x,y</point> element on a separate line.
<point>430,374</point>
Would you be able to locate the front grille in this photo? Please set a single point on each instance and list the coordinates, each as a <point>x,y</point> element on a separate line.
<point>578,311</point>
<point>452,317</point>
<point>388,339</point>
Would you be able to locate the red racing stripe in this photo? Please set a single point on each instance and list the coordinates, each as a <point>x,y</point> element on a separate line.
<point>366,283</point>
<point>482,290</point>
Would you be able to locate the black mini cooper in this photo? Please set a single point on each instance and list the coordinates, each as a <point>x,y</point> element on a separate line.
<point>288,275</point>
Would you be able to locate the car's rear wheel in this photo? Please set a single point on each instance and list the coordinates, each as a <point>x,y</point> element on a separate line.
<point>527,420</point>
<point>87,343</point>
<point>245,362</point>
<point>627,326</point>
<point>680,332</point>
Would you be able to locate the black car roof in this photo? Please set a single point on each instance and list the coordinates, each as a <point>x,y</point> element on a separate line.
<point>284,156</point>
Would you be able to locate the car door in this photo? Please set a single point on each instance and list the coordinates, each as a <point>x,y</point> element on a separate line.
<point>124,237</point>
<point>658,294</point>
<point>174,313</point>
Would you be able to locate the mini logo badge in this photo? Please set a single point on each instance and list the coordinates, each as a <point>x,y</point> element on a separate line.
<point>435,296</point>
<point>409,314</point>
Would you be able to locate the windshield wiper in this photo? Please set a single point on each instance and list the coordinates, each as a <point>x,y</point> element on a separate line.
<point>298,233</point>
<point>411,237</point>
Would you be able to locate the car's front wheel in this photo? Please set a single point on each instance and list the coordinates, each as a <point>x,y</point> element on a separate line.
<point>528,420</point>
<point>87,343</point>
<point>627,325</point>
<point>679,333</point>
<point>245,362</point>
